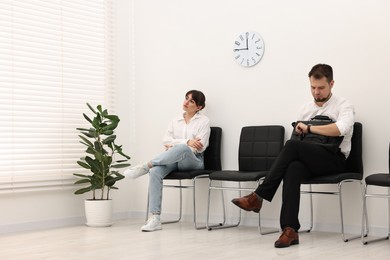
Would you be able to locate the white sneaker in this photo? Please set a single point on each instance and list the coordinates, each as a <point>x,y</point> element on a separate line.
<point>136,171</point>
<point>153,224</point>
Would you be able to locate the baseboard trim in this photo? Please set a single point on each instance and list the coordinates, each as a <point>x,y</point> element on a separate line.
<point>246,221</point>
<point>52,223</point>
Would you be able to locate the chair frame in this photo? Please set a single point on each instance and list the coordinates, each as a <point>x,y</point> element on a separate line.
<point>223,223</point>
<point>310,191</point>
<point>239,189</point>
<point>365,225</point>
<point>192,186</point>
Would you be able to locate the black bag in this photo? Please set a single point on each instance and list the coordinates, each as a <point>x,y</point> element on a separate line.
<point>330,141</point>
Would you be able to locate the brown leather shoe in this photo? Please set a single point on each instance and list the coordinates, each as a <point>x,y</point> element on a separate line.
<point>287,238</point>
<point>249,202</point>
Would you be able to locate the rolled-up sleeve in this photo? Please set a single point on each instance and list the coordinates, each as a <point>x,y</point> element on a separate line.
<point>346,117</point>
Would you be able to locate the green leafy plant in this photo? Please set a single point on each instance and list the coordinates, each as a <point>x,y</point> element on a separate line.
<point>101,149</point>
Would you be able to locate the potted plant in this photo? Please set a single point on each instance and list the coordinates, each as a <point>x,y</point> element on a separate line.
<point>99,160</point>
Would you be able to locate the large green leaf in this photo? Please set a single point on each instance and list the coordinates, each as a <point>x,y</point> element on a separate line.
<point>121,161</point>
<point>111,180</point>
<point>89,143</point>
<point>111,126</point>
<point>107,132</point>
<point>87,118</point>
<point>90,150</point>
<point>122,165</point>
<point>84,165</point>
<point>82,175</point>
<point>91,108</point>
<point>82,129</point>
<point>94,165</point>
<point>109,139</point>
<point>113,118</point>
<point>82,181</point>
<point>83,190</point>
<point>96,122</point>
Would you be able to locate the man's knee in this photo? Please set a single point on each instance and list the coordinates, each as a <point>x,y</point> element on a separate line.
<point>297,170</point>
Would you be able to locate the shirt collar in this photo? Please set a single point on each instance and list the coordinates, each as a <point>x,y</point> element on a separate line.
<point>181,117</point>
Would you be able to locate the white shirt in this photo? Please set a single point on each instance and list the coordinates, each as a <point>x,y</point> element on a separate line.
<point>339,110</point>
<point>179,132</point>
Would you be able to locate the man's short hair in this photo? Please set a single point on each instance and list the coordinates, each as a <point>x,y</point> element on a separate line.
<point>322,70</point>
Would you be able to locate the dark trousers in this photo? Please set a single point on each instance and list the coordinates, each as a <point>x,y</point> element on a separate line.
<point>296,162</point>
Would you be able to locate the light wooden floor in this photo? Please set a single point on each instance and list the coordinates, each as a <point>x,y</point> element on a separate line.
<point>124,240</point>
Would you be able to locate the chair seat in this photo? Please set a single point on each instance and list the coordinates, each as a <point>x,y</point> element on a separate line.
<point>379,179</point>
<point>333,178</point>
<point>187,175</point>
<point>241,176</point>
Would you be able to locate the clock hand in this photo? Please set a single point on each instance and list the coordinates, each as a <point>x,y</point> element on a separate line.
<point>240,49</point>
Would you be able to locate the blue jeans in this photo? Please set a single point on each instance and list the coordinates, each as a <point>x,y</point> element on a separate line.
<point>179,157</point>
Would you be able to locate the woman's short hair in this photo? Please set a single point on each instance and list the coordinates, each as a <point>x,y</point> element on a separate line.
<point>198,97</point>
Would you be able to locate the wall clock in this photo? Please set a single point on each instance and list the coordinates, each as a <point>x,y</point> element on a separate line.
<point>248,48</point>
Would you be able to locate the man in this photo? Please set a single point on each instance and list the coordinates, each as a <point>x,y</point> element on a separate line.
<point>300,160</point>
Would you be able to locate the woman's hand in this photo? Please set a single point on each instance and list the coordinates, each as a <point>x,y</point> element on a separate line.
<point>195,143</point>
<point>168,146</point>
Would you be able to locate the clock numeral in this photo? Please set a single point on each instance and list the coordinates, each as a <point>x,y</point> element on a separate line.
<point>253,36</point>
<point>258,54</point>
<point>257,41</point>
<point>253,59</point>
<point>247,62</point>
<point>237,43</point>
<point>241,37</point>
<point>238,56</point>
<point>242,61</point>
<point>259,47</point>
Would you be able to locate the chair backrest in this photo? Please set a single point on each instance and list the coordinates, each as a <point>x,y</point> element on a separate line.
<point>355,158</point>
<point>259,146</point>
<point>212,155</point>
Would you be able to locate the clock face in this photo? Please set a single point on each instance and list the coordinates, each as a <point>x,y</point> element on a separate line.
<point>248,48</point>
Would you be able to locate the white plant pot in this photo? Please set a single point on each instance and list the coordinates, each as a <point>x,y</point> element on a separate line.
<point>98,213</point>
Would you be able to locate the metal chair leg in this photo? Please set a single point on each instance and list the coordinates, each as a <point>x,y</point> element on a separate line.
<point>208,226</point>
<point>180,208</point>
<point>311,210</point>
<point>194,207</point>
<point>366,241</point>
<point>223,224</point>
<point>259,227</point>
<point>341,212</point>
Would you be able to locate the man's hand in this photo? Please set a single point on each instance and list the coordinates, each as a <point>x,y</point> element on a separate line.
<point>327,130</point>
<point>301,128</point>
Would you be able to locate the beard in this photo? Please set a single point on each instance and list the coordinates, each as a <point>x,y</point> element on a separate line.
<point>323,99</point>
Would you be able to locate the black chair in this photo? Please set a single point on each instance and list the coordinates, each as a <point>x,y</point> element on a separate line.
<point>381,180</point>
<point>212,162</point>
<point>259,146</point>
<point>353,173</point>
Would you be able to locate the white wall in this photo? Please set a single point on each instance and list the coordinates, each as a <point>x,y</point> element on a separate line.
<point>168,47</point>
<point>180,45</point>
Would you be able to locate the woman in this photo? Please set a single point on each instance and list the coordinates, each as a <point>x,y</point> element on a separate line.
<point>185,141</point>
